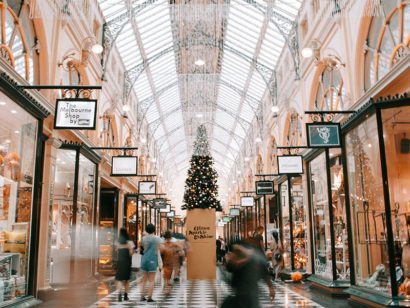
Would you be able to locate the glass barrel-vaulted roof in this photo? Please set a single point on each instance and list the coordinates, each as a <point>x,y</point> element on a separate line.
<point>166,38</point>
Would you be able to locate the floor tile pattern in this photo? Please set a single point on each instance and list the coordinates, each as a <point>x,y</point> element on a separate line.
<point>203,294</point>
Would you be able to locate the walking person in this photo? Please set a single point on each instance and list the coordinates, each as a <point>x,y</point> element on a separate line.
<point>218,249</point>
<point>149,262</point>
<point>248,266</point>
<point>169,255</point>
<point>125,249</point>
<point>223,250</point>
<point>277,254</point>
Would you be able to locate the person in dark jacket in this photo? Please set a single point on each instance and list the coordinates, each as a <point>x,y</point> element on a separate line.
<point>247,265</point>
<point>125,249</point>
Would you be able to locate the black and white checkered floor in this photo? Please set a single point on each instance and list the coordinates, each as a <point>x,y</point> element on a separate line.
<point>203,293</point>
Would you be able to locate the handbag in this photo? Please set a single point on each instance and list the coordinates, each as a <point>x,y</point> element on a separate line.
<point>135,261</point>
<point>277,256</point>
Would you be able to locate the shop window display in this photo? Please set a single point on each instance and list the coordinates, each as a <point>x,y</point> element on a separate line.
<point>18,139</point>
<point>299,224</point>
<point>323,261</point>
<point>396,135</point>
<point>284,195</point>
<point>321,223</point>
<point>368,218</point>
<point>339,215</point>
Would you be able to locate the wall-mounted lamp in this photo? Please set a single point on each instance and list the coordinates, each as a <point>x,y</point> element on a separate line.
<point>89,44</point>
<point>313,50</point>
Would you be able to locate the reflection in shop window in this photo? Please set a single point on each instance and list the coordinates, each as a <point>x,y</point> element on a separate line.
<point>368,220</point>
<point>388,40</point>
<point>18,139</point>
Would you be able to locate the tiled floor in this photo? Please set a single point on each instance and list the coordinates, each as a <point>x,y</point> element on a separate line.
<point>205,294</point>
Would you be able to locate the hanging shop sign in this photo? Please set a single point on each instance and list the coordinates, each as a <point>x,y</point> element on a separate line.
<point>221,224</point>
<point>167,209</point>
<point>124,166</point>
<point>171,214</point>
<point>226,219</point>
<point>234,212</point>
<point>290,164</point>
<point>159,204</point>
<point>323,135</point>
<point>147,187</point>
<point>75,114</point>
<point>247,201</point>
<point>264,188</point>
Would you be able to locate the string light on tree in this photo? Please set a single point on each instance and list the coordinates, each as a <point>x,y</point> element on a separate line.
<point>201,188</point>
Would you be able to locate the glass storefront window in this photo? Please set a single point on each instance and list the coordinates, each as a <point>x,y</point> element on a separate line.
<point>368,220</point>
<point>18,140</point>
<point>299,224</point>
<point>396,135</point>
<point>321,223</point>
<point>339,215</point>
<point>284,195</point>
<point>72,237</point>
<point>84,224</point>
<point>131,217</point>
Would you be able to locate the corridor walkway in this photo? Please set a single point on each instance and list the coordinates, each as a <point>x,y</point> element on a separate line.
<point>203,294</point>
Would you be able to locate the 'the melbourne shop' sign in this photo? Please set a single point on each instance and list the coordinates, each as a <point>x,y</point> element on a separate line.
<point>75,114</point>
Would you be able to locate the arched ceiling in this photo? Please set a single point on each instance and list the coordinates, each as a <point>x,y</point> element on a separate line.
<point>239,42</point>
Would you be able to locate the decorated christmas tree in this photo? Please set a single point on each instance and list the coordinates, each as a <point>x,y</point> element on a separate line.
<point>201,188</point>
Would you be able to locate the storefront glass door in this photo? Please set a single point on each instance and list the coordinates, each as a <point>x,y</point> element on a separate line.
<point>322,251</point>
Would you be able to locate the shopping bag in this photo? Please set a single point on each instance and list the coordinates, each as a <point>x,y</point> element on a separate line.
<point>135,261</point>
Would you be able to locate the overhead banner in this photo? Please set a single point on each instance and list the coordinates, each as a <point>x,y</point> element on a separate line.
<point>75,114</point>
<point>124,166</point>
<point>290,164</point>
<point>147,187</point>
<point>323,135</point>
<point>234,212</point>
<point>247,201</point>
<point>264,188</point>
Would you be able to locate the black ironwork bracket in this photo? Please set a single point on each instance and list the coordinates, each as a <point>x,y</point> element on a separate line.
<point>326,116</point>
<point>68,89</point>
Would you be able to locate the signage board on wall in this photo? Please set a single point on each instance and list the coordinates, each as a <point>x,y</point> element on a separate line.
<point>323,135</point>
<point>226,219</point>
<point>234,212</point>
<point>290,164</point>
<point>75,113</point>
<point>247,201</point>
<point>264,188</point>
<point>171,214</point>
<point>159,204</point>
<point>124,166</point>
<point>147,187</point>
<point>167,209</point>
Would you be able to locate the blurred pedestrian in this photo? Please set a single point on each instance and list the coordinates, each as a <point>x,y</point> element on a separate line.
<point>248,266</point>
<point>169,254</point>
<point>223,250</point>
<point>257,238</point>
<point>218,249</point>
<point>149,262</point>
<point>277,253</point>
<point>125,249</point>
